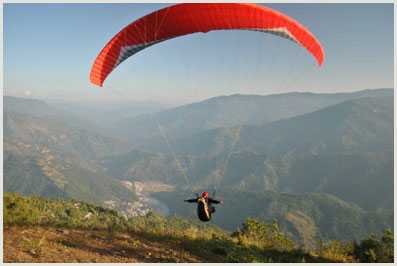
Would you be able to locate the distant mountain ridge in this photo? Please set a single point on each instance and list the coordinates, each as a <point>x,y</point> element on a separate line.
<point>229,111</point>
<point>34,107</point>
<point>359,125</point>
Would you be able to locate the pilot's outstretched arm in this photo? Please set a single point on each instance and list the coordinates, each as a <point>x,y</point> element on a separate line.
<point>191,200</point>
<point>214,201</point>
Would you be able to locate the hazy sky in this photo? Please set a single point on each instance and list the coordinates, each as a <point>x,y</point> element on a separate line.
<point>49,50</point>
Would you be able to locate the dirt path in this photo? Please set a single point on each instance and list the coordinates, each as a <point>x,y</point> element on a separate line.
<point>39,244</point>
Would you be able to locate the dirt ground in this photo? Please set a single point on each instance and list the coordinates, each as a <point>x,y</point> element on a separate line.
<point>40,244</point>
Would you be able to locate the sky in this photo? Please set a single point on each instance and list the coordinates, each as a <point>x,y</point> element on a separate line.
<point>49,50</point>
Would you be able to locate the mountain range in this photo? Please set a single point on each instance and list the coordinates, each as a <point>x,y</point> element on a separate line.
<point>229,111</point>
<point>322,164</point>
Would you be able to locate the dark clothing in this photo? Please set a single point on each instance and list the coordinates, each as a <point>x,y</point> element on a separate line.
<point>209,200</point>
<point>204,208</point>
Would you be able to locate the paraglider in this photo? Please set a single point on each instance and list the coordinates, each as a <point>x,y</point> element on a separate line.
<point>204,206</point>
<point>182,19</point>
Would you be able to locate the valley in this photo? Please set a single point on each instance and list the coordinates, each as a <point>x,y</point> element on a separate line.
<point>145,202</point>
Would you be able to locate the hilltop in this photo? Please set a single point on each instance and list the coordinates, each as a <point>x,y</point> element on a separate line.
<point>40,230</point>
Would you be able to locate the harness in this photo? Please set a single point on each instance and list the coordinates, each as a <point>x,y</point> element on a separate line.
<point>203,210</point>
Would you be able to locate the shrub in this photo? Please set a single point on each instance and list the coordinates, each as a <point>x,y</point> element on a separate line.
<point>374,249</point>
<point>263,234</point>
<point>335,250</point>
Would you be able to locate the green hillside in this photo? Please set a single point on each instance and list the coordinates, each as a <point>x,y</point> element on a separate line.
<point>61,177</point>
<point>45,155</point>
<point>23,174</point>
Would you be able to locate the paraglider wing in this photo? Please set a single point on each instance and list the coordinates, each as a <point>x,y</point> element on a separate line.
<point>183,19</point>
